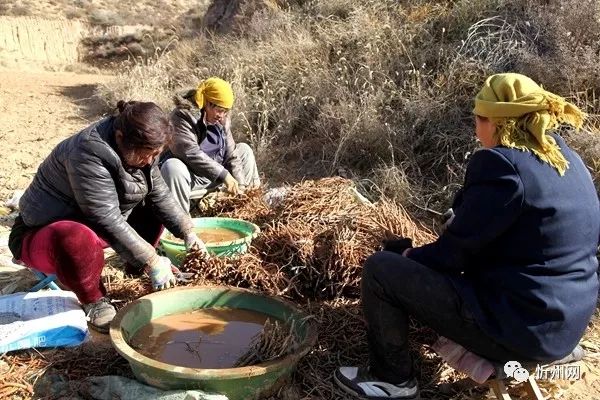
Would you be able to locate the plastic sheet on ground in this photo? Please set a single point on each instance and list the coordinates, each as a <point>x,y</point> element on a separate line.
<point>118,387</point>
<point>41,319</point>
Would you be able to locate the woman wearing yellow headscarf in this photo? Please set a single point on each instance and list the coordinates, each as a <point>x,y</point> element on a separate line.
<point>514,276</point>
<point>203,154</point>
<point>524,115</point>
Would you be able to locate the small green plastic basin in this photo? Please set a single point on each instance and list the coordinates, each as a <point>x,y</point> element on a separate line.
<point>250,382</point>
<point>176,251</point>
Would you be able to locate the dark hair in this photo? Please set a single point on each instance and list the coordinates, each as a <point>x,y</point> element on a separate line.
<point>143,125</point>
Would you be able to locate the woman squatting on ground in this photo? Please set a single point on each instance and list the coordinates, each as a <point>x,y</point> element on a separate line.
<point>102,187</point>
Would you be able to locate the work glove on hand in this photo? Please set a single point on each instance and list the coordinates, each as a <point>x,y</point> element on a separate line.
<point>397,245</point>
<point>447,219</point>
<point>231,185</point>
<point>160,270</point>
<point>192,241</point>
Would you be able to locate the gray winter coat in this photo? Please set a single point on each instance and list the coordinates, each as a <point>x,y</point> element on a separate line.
<point>190,131</point>
<point>83,179</point>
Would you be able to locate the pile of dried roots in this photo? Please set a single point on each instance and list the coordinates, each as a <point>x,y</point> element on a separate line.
<point>313,243</point>
<point>276,339</point>
<point>246,271</point>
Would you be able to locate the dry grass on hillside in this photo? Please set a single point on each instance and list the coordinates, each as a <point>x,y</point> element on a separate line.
<point>157,13</point>
<point>379,90</point>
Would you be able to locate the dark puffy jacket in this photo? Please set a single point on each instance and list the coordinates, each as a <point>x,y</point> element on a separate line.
<point>525,240</point>
<point>83,179</point>
<point>200,147</point>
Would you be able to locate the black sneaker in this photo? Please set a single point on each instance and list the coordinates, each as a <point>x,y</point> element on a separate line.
<point>360,383</point>
<point>100,314</point>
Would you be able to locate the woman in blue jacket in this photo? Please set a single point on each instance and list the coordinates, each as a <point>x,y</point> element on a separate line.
<point>514,275</point>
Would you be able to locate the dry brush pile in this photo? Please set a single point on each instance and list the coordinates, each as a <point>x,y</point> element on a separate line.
<point>312,244</point>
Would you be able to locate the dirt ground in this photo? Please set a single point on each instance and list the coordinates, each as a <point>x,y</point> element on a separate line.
<point>39,109</point>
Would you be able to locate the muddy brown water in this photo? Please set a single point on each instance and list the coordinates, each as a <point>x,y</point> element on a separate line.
<point>212,235</point>
<point>207,338</point>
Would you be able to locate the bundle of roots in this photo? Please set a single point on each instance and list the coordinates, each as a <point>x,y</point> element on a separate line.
<point>276,339</point>
<point>244,271</point>
<point>313,241</point>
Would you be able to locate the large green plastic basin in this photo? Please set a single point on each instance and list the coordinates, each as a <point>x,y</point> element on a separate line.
<point>250,382</point>
<point>176,251</point>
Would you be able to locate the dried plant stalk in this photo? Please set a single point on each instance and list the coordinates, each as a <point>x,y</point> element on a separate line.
<point>246,271</point>
<point>249,206</point>
<point>277,339</point>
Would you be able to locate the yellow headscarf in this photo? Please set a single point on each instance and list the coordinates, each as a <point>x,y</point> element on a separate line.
<point>215,90</point>
<point>524,113</point>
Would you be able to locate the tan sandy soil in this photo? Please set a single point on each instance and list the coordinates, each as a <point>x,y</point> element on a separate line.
<point>37,111</point>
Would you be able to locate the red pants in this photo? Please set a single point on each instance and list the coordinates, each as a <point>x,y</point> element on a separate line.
<point>74,252</point>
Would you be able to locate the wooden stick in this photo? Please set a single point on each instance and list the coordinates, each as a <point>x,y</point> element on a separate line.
<point>499,389</point>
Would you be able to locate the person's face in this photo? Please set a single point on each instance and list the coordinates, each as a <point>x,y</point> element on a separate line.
<point>136,158</point>
<point>215,114</point>
<point>139,158</point>
<point>485,130</point>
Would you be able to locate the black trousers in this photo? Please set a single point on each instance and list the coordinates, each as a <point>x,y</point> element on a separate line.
<point>394,287</point>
